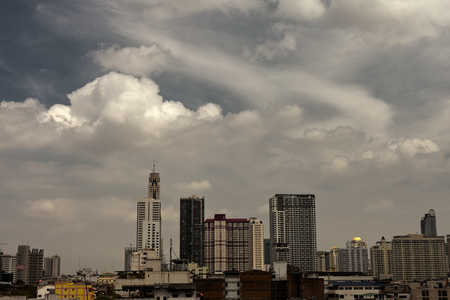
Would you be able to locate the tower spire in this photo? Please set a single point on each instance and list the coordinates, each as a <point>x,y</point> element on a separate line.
<point>154,168</point>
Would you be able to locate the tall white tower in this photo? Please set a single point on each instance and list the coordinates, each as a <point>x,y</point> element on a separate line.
<point>148,232</point>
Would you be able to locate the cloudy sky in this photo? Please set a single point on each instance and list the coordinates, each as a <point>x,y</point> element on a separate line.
<point>236,101</point>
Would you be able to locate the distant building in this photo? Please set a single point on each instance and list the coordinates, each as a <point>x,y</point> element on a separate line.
<point>149,217</point>
<point>35,266</point>
<point>322,264</point>
<point>417,257</point>
<point>267,251</point>
<point>127,260</point>
<point>52,266</point>
<point>9,265</point>
<point>138,259</point>
<point>381,259</point>
<point>333,257</point>
<point>256,242</point>
<point>354,257</point>
<point>226,244</point>
<point>428,224</point>
<point>192,230</point>
<point>23,253</point>
<point>293,230</point>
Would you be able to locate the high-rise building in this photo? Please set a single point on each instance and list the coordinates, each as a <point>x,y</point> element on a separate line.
<point>9,264</point>
<point>148,232</point>
<point>256,242</point>
<point>52,266</point>
<point>192,229</point>
<point>381,259</point>
<point>354,257</point>
<point>293,230</point>
<point>333,259</point>
<point>35,266</point>
<point>226,244</point>
<point>23,253</point>
<point>428,224</point>
<point>417,257</point>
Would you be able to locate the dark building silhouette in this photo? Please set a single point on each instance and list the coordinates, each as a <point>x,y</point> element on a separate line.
<point>192,231</point>
<point>428,224</point>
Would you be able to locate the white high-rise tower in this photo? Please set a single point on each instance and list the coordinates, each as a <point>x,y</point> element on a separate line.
<point>148,233</point>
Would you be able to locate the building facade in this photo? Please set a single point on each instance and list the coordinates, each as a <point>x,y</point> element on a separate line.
<point>192,230</point>
<point>428,224</point>
<point>148,231</point>
<point>417,257</point>
<point>381,259</point>
<point>52,266</point>
<point>354,257</point>
<point>226,244</point>
<point>293,230</point>
<point>256,242</point>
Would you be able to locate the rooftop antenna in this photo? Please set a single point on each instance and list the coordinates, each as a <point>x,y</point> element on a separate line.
<point>154,169</point>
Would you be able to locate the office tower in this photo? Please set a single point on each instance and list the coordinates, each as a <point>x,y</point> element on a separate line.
<point>226,244</point>
<point>417,257</point>
<point>293,230</point>
<point>322,264</point>
<point>354,257</point>
<point>256,242</point>
<point>148,232</point>
<point>52,266</point>
<point>428,224</point>
<point>35,266</point>
<point>9,264</point>
<point>192,230</point>
<point>381,259</point>
<point>333,258</point>
<point>23,252</point>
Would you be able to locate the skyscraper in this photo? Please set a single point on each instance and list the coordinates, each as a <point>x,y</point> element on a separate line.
<point>381,259</point>
<point>354,257</point>
<point>192,230</point>
<point>148,232</point>
<point>226,244</point>
<point>256,242</point>
<point>416,257</point>
<point>29,264</point>
<point>52,266</point>
<point>428,224</point>
<point>293,230</point>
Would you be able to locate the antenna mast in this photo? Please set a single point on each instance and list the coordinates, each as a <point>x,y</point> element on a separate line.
<point>154,169</point>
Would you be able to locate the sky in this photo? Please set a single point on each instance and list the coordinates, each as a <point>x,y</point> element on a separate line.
<point>236,101</point>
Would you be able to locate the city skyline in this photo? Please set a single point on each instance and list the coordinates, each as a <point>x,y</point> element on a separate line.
<point>236,101</point>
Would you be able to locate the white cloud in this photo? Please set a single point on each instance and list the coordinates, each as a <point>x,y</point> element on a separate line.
<point>138,61</point>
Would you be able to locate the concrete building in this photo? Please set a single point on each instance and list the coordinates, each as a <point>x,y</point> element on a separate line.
<point>226,244</point>
<point>322,264</point>
<point>293,230</point>
<point>9,265</point>
<point>381,259</point>
<point>428,224</point>
<point>333,258</point>
<point>347,290</point>
<point>35,266</point>
<point>192,230</point>
<point>66,290</point>
<point>52,266</point>
<point>127,260</point>
<point>354,257</point>
<point>416,257</point>
<point>138,259</point>
<point>256,284</point>
<point>148,231</point>
<point>256,242</point>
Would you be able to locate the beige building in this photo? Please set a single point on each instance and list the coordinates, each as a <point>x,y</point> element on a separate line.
<point>226,244</point>
<point>381,259</point>
<point>256,241</point>
<point>417,258</point>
